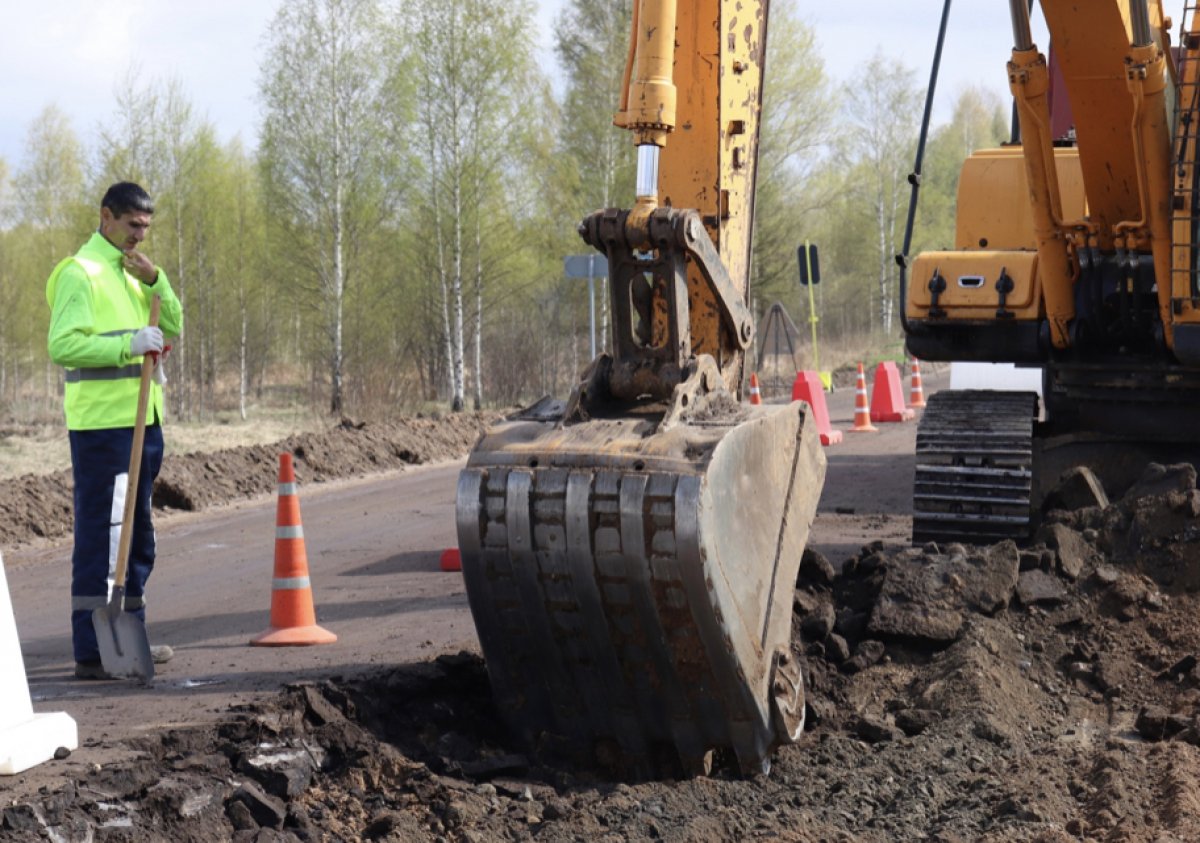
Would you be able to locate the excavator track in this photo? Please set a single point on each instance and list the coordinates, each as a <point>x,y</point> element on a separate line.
<point>630,607</point>
<point>974,467</point>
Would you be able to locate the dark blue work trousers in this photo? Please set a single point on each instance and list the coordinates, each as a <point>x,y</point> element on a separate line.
<point>100,467</point>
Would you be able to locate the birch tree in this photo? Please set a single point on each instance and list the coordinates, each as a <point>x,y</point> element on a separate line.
<point>883,113</point>
<point>476,55</point>
<point>156,139</point>
<point>797,124</point>
<point>323,151</point>
<point>593,40</point>
<point>51,183</point>
<point>50,211</point>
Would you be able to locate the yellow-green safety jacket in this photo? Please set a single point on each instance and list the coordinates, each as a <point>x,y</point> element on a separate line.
<point>95,309</point>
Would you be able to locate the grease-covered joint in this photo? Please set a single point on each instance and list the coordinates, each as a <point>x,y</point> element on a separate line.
<point>1028,75</point>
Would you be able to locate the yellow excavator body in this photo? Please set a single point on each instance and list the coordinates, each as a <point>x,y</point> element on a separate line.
<point>1075,253</point>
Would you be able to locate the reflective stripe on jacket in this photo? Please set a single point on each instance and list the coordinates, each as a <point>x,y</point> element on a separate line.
<point>95,309</point>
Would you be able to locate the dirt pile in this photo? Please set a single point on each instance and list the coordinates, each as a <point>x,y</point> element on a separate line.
<point>955,694</point>
<point>39,506</point>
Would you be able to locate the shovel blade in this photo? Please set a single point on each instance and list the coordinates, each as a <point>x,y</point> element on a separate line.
<point>124,645</point>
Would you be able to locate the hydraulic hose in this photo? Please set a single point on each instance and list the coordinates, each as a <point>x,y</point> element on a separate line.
<point>914,178</point>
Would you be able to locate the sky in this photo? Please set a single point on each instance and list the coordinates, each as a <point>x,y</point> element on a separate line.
<point>74,53</point>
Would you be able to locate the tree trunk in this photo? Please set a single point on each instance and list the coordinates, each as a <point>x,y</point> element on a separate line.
<point>183,404</point>
<point>339,269</point>
<point>443,279</point>
<point>457,401</point>
<point>243,368</point>
<point>882,280</point>
<point>336,398</point>
<point>478,327</point>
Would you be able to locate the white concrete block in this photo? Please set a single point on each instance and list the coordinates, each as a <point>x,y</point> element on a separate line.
<point>1003,376</point>
<point>26,739</point>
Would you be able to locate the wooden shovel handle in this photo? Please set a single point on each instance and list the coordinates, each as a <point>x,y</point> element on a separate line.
<point>135,458</point>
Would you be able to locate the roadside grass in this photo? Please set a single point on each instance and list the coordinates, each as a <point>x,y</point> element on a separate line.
<point>43,448</point>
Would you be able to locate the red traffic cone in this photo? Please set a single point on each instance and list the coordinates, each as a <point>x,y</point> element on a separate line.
<point>862,408</point>
<point>451,559</point>
<point>916,395</point>
<point>755,393</point>
<point>887,398</point>
<point>808,387</point>
<point>293,619</point>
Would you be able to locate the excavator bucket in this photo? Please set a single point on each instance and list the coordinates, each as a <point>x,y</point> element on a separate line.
<point>632,586</point>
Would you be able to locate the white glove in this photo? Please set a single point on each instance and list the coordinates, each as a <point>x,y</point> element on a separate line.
<point>160,374</point>
<point>147,339</point>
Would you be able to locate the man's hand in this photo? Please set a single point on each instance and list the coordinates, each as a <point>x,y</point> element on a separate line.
<point>160,374</point>
<point>146,340</point>
<point>140,267</point>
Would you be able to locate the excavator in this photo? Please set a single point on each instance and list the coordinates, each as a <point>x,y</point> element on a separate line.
<point>1075,252</point>
<point>630,554</point>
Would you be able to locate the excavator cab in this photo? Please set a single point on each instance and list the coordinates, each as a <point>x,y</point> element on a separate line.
<point>630,554</point>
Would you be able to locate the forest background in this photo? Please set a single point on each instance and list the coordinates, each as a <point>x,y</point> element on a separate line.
<point>396,240</point>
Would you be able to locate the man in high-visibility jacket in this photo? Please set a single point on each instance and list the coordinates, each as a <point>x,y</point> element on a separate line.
<point>100,306</point>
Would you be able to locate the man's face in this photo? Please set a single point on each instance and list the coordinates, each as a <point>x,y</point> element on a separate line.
<point>126,231</point>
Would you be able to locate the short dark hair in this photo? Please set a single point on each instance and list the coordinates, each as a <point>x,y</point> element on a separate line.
<point>124,197</point>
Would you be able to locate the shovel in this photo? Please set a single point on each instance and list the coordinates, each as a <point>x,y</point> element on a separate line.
<point>124,646</point>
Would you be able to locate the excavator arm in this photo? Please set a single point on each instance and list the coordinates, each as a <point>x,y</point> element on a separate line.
<point>630,554</point>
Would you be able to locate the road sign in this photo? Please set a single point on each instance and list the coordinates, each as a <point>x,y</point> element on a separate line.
<point>591,267</point>
<point>594,265</point>
<point>810,267</point>
<point>810,274</point>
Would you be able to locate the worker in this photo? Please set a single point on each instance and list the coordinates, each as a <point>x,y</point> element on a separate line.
<point>100,309</point>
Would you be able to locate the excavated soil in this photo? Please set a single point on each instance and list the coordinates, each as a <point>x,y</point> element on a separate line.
<point>1045,694</point>
<point>39,506</point>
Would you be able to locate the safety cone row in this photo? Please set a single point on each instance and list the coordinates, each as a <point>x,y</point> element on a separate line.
<point>293,619</point>
<point>916,395</point>
<point>862,407</point>
<point>755,392</point>
<point>808,387</point>
<point>887,399</point>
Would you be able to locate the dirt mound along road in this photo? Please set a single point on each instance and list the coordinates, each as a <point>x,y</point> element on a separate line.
<point>40,506</point>
<point>955,694</point>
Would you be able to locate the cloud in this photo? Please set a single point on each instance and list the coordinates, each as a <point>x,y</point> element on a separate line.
<point>74,53</point>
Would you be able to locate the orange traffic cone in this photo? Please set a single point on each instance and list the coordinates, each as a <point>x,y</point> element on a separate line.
<point>916,395</point>
<point>887,397</point>
<point>862,407</point>
<point>808,388</point>
<point>755,394</point>
<point>293,621</point>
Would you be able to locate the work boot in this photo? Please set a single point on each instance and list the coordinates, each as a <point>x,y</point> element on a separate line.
<point>161,653</point>
<point>91,670</point>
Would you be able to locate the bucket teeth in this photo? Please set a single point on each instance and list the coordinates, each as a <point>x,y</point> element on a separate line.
<point>593,595</point>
